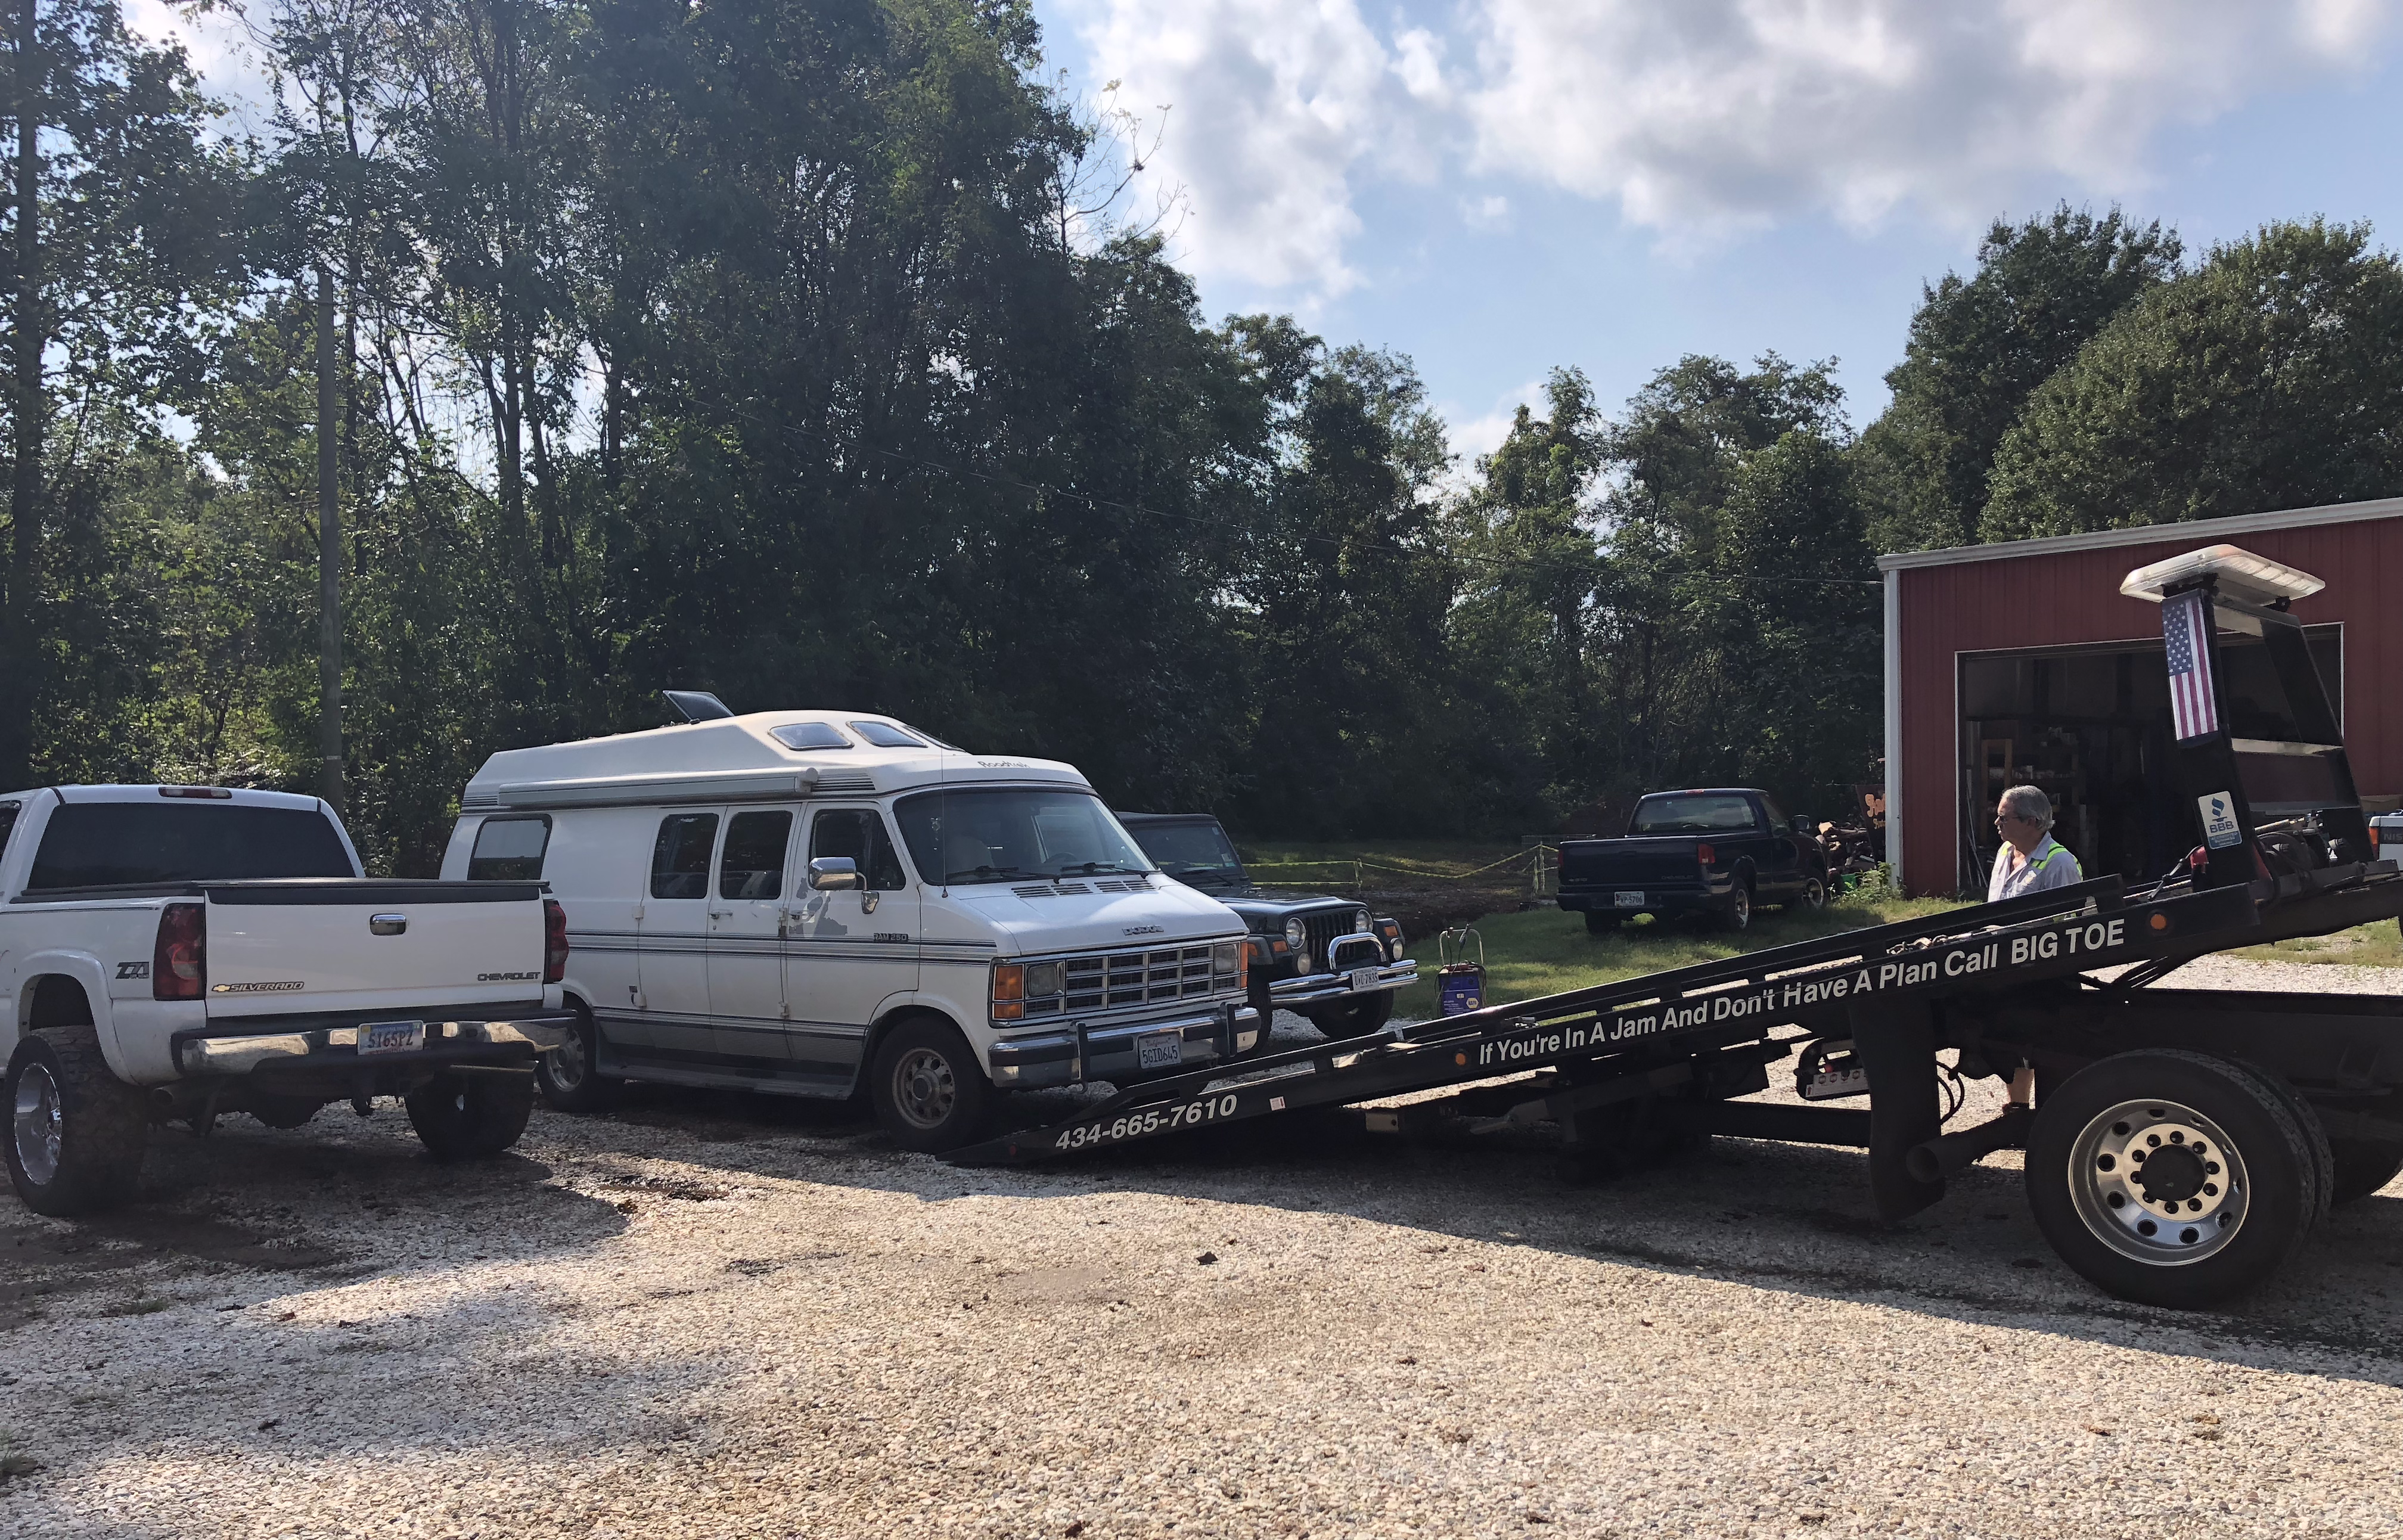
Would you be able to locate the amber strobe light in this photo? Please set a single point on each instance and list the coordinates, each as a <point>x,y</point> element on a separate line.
<point>180,961</point>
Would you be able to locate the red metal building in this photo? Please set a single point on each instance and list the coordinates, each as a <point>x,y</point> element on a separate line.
<point>2020,662</point>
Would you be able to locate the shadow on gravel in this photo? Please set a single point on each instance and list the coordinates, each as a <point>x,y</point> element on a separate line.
<point>1788,1218</point>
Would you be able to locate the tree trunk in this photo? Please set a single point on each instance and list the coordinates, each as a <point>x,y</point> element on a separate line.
<point>21,625</point>
<point>330,554</point>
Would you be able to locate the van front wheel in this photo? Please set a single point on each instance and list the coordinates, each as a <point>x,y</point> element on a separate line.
<point>928,1089</point>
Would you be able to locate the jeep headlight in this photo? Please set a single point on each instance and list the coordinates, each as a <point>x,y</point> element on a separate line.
<point>1360,922</point>
<point>1294,932</point>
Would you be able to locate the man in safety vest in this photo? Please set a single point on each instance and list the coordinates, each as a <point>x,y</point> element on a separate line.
<point>2030,860</point>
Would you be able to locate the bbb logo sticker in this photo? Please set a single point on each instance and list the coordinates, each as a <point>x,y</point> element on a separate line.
<point>2219,828</point>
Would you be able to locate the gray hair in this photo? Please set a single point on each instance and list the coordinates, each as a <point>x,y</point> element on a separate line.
<point>2030,803</point>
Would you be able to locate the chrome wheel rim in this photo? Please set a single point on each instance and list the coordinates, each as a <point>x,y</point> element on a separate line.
<point>922,1088</point>
<point>1815,896</point>
<point>1740,911</point>
<point>39,1122</point>
<point>568,1063</point>
<point>2159,1183</point>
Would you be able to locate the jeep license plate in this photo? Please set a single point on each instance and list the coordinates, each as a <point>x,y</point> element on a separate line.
<point>1364,979</point>
<point>1159,1050</point>
<point>391,1036</point>
<point>1625,900</point>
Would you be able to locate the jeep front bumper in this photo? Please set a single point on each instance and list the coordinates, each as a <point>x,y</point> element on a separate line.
<point>1310,988</point>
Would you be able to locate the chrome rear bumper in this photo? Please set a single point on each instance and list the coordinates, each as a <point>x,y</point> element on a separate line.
<point>339,1047</point>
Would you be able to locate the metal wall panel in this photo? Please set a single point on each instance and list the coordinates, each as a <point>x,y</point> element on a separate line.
<point>2063,599</point>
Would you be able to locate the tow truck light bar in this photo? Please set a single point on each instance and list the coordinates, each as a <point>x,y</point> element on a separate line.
<point>2242,574</point>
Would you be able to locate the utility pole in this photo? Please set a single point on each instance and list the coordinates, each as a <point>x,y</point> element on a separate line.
<point>330,556</point>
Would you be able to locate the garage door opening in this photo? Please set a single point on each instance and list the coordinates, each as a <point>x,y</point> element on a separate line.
<point>2090,726</point>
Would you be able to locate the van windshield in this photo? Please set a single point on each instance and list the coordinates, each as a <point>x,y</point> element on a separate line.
<point>999,834</point>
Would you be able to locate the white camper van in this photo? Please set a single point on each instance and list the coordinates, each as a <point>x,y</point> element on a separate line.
<point>788,901</point>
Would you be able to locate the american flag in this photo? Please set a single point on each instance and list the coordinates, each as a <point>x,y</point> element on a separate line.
<point>2192,710</point>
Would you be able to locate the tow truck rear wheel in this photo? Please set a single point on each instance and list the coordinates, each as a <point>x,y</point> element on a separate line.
<point>2170,1178</point>
<point>471,1116</point>
<point>76,1131</point>
<point>2364,1168</point>
<point>928,1089</point>
<point>1354,1018</point>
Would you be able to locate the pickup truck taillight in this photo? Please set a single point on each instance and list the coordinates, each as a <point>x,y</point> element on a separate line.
<point>554,941</point>
<point>180,961</point>
<point>1706,855</point>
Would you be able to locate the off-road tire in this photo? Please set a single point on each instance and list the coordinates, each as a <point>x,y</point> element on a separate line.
<point>566,1077</point>
<point>1354,1018</point>
<point>102,1124</point>
<point>927,1087</point>
<point>1600,925</point>
<point>2364,1167</point>
<point>2280,1190</point>
<point>470,1117</point>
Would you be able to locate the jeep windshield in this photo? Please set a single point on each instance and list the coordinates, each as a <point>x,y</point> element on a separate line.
<point>1688,813</point>
<point>996,835</point>
<point>1196,852</point>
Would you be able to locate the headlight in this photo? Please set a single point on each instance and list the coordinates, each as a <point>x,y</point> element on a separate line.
<point>1222,956</point>
<point>1044,979</point>
<point>1360,922</point>
<point>1293,931</point>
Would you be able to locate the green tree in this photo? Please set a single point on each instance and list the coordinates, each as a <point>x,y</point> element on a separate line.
<point>2271,377</point>
<point>1980,345</point>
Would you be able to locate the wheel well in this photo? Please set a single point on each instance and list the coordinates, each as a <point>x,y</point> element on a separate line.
<point>57,1001</point>
<point>883,1027</point>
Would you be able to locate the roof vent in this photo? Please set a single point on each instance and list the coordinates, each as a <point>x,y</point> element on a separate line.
<point>695,705</point>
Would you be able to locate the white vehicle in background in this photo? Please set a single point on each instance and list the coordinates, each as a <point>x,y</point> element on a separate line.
<point>813,903</point>
<point>184,951</point>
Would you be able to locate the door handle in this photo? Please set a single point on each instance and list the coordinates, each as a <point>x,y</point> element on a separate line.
<point>719,914</point>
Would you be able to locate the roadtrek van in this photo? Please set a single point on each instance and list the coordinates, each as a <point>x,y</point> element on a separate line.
<point>814,903</point>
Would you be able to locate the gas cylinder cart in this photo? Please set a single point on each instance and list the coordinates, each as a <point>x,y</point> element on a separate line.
<point>1460,983</point>
<point>2180,1143</point>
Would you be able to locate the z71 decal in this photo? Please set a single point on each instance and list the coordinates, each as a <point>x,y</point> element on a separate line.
<point>133,970</point>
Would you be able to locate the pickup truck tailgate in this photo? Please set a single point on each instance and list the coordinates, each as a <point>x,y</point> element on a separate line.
<point>1631,862</point>
<point>280,947</point>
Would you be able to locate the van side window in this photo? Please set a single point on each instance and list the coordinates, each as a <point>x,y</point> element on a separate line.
<point>510,850</point>
<point>754,863</point>
<point>859,834</point>
<point>680,860</point>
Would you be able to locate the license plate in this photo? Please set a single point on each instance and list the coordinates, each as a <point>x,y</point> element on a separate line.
<point>1364,979</point>
<point>1625,900</point>
<point>391,1036</point>
<point>1159,1050</point>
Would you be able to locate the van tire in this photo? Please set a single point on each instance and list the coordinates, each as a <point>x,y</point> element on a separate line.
<point>76,1131</point>
<point>928,1086</point>
<point>566,1077</point>
<point>470,1117</point>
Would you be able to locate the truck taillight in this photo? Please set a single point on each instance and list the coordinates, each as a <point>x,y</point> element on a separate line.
<point>1706,855</point>
<point>554,941</point>
<point>180,961</point>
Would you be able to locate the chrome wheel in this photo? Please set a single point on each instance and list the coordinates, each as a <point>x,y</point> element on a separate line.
<point>1814,894</point>
<point>923,1091</point>
<point>2159,1183</point>
<point>569,1064</point>
<point>38,1120</point>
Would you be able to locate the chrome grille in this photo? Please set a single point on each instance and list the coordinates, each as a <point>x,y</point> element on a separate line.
<point>1136,977</point>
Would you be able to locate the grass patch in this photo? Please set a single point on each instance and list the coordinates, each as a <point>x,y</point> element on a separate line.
<point>1543,952</point>
<point>2377,945</point>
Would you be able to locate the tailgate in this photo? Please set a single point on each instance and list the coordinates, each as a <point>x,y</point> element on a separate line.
<point>1629,863</point>
<point>333,946</point>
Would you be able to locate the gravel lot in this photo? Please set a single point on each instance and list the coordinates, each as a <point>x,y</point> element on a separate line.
<point>714,1315</point>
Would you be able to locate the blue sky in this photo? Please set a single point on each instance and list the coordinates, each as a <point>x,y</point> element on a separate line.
<point>1498,186</point>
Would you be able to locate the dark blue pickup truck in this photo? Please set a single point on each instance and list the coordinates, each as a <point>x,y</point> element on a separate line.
<point>1718,852</point>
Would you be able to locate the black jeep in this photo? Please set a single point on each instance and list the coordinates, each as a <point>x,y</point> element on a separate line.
<point>1325,957</point>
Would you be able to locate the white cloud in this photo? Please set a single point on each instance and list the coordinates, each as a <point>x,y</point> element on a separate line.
<point>1275,108</point>
<point>1702,118</point>
<point>1485,433</point>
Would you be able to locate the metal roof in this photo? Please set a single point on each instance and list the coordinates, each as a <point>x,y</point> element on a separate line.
<point>2200,531</point>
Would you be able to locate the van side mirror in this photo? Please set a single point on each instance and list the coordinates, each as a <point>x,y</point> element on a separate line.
<point>831,873</point>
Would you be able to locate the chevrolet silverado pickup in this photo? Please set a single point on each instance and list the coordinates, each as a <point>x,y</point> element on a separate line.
<point>180,953</point>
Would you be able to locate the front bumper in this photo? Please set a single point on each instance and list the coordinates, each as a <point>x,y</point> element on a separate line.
<point>201,1053</point>
<point>1310,988</point>
<point>1108,1052</point>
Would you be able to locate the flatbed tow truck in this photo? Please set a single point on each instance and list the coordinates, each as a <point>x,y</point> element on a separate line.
<point>2180,1143</point>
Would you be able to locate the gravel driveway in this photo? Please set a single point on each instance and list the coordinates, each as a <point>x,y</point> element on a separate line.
<point>716,1315</point>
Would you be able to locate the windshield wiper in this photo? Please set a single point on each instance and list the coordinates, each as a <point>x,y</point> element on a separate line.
<point>1087,869</point>
<point>988,874</point>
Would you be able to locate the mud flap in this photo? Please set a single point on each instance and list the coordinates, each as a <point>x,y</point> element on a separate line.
<point>1897,1045</point>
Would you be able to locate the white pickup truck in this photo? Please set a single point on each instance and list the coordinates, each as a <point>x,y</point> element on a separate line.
<point>177,952</point>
